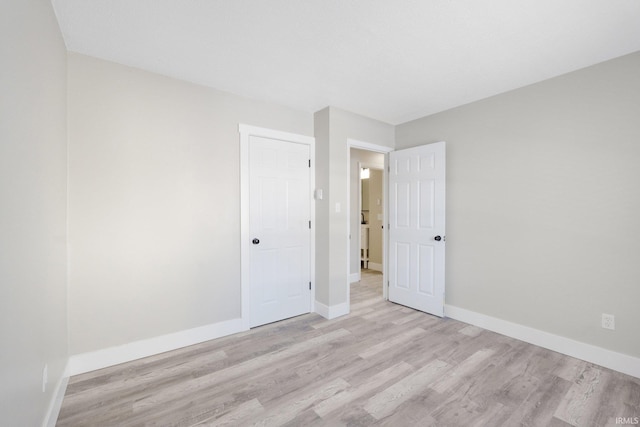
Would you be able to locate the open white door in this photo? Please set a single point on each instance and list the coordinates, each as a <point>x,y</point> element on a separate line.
<point>417,227</point>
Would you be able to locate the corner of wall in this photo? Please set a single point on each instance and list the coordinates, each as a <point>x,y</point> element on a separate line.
<point>331,312</point>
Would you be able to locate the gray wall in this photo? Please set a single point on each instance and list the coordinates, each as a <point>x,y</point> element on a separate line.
<point>322,135</point>
<point>154,202</point>
<point>543,203</point>
<point>332,129</point>
<point>33,174</point>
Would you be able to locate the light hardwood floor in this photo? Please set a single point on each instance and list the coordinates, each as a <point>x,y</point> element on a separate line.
<point>383,364</point>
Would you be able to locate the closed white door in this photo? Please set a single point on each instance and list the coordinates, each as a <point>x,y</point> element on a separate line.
<point>417,227</point>
<point>279,229</point>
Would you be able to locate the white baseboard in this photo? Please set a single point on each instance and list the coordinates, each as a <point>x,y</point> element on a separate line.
<point>85,362</point>
<point>56,400</point>
<point>375,266</point>
<point>331,312</point>
<point>609,359</point>
<point>354,277</point>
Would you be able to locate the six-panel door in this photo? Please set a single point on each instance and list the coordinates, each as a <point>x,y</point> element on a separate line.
<point>279,226</point>
<point>417,227</point>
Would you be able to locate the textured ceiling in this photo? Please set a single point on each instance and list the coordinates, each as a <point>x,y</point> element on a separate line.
<point>392,60</point>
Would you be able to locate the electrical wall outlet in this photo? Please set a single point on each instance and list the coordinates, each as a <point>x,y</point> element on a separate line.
<point>608,321</point>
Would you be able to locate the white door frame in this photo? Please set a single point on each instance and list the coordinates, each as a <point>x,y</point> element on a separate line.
<point>246,131</point>
<point>362,145</point>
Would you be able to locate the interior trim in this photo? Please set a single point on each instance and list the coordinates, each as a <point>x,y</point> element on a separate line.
<point>90,361</point>
<point>331,312</point>
<point>609,359</point>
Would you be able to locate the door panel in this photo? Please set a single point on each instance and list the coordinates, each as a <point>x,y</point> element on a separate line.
<point>426,193</point>
<point>279,219</point>
<point>425,270</point>
<point>416,217</point>
<point>403,209</point>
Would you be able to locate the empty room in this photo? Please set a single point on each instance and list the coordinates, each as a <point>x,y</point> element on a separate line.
<point>322,212</point>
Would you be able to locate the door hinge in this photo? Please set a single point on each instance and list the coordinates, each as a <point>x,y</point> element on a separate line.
<point>309,225</point>
<point>387,283</point>
<point>309,162</point>
<point>309,285</point>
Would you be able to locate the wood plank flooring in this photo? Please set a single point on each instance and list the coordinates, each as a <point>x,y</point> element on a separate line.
<point>382,365</point>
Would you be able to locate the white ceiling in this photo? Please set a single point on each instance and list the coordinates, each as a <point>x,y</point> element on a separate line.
<point>392,60</point>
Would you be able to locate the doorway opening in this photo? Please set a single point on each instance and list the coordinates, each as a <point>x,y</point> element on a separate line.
<point>371,211</point>
<point>413,246</point>
<point>367,214</point>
